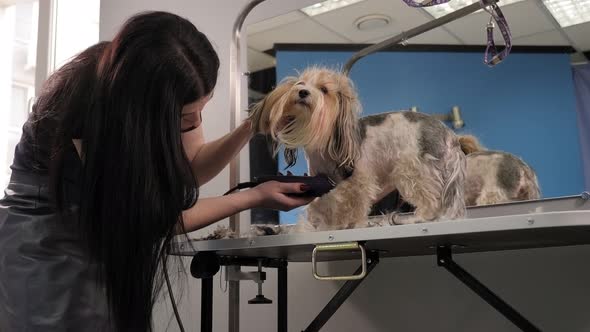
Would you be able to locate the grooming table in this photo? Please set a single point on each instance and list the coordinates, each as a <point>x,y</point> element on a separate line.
<point>543,223</point>
<point>532,224</point>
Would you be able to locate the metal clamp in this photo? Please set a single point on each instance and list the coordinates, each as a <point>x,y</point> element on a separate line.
<point>339,247</point>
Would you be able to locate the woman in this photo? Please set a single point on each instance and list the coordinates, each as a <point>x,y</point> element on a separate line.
<point>107,172</point>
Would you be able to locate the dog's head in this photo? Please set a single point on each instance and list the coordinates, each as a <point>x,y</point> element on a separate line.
<point>317,110</point>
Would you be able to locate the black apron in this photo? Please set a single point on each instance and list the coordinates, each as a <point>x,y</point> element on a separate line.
<point>46,281</point>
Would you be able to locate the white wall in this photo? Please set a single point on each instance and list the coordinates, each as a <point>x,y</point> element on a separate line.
<point>550,286</point>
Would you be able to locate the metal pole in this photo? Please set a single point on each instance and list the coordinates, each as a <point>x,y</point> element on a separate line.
<point>235,95</point>
<point>207,305</point>
<point>402,37</point>
<point>234,302</point>
<point>45,42</point>
<point>282,299</point>
<point>445,259</point>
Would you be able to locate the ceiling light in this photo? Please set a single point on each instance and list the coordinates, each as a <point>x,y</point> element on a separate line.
<point>451,6</point>
<point>326,6</point>
<point>371,22</point>
<point>569,12</point>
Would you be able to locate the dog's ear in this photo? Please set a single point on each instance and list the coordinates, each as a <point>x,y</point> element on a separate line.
<point>344,144</point>
<point>257,116</point>
<point>290,157</point>
<point>266,113</point>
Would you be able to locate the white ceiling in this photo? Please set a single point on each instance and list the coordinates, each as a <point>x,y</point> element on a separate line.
<point>529,23</point>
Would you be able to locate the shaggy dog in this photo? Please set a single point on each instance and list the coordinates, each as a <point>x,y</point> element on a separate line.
<point>369,157</point>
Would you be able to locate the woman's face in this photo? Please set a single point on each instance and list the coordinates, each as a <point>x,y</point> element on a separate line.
<point>192,133</point>
<point>191,114</point>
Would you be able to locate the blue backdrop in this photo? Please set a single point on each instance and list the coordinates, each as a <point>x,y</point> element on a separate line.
<point>525,105</point>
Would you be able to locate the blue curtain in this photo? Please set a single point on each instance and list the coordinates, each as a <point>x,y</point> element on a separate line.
<point>582,85</point>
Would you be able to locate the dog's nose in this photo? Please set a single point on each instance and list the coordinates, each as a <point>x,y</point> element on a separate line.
<point>303,93</point>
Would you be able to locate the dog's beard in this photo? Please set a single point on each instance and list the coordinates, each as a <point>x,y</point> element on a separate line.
<point>295,133</point>
<point>309,124</point>
<point>284,123</point>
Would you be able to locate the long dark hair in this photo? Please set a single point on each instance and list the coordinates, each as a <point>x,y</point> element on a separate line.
<point>124,100</point>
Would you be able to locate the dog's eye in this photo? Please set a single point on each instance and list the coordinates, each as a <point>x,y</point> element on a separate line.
<point>324,90</point>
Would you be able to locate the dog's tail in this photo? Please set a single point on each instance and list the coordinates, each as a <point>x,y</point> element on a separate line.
<point>470,144</point>
<point>455,165</point>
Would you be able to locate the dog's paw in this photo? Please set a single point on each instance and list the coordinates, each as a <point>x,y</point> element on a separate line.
<point>402,219</point>
<point>379,221</point>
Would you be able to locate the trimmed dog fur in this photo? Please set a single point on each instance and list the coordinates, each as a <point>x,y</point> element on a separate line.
<point>369,157</point>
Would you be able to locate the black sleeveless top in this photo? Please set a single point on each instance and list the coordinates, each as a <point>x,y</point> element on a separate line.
<point>46,281</point>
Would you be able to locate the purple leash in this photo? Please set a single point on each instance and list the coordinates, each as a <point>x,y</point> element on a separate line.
<point>491,50</point>
<point>495,15</point>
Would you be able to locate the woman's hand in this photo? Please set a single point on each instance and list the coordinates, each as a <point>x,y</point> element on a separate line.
<point>280,196</point>
<point>271,195</point>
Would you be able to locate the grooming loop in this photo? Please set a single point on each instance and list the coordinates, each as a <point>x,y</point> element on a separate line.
<point>492,56</point>
<point>335,248</point>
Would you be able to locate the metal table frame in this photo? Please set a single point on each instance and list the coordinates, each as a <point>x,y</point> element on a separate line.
<point>441,238</point>
<point>532,224</point>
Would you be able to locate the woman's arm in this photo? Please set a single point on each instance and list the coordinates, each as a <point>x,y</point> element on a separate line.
<point>210,158</point>
<point>272,195</point>
<point>209,210</point>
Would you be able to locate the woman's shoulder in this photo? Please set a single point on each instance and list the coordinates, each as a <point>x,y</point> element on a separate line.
<point>32,152</point>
